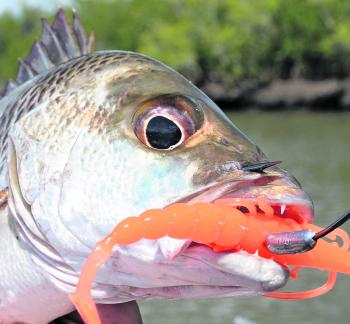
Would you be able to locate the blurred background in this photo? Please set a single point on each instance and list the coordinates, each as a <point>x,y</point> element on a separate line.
<point>279,68</point>
<point>272,53</point>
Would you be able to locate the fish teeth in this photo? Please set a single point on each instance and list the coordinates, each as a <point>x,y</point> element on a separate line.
<point>283,208</point>
<point>171,248</point>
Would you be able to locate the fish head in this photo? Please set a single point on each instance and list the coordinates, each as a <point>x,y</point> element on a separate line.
<point>119,133</point>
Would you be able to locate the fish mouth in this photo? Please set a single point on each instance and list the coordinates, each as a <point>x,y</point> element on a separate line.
<point>284,195</point>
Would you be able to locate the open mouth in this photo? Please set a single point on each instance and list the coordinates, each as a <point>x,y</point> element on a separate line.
<point>297,208</point>
<point>282,197</point>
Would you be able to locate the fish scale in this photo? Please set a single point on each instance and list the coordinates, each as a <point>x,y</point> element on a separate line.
<point>17,103</point>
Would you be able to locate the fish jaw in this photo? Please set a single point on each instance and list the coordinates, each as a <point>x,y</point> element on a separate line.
<point>198,272</point>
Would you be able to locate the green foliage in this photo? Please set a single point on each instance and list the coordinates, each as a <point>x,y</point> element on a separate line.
<point>223,40</point>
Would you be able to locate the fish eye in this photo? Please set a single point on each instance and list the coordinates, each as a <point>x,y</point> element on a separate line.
<point>166,122</point>
<point>162,133</point>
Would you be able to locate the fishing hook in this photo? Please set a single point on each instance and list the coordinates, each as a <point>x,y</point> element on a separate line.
<point>259,167</point>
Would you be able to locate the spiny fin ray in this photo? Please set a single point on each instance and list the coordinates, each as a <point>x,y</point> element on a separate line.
<point>59,43</point>
<point>52,43</point>
<point>25,72</point>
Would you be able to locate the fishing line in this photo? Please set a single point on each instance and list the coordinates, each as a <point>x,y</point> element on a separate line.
<point>339,222</point>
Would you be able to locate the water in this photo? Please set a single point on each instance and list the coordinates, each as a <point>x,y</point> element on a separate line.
<point>315,148</point>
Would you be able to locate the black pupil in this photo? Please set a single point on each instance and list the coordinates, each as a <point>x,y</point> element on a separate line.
<point>162,133</point>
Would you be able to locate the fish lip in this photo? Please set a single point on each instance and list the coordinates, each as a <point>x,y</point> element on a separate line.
<point>290,202</point>
<point>279,189</point>
<point>219,189</point>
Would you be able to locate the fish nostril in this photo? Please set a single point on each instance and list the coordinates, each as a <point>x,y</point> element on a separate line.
<point>229,166</point>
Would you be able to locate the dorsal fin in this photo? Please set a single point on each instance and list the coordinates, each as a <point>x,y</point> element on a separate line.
<point>59,42</point>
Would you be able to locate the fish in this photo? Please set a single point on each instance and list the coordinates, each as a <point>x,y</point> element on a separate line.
<point>88,138</point>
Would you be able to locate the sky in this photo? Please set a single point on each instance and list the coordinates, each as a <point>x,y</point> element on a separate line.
<point>15,6</point>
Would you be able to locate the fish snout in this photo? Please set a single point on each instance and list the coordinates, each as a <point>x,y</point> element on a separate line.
<point>281,190</point>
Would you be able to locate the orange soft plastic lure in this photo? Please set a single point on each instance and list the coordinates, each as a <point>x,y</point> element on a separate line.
<point>224,228</point>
